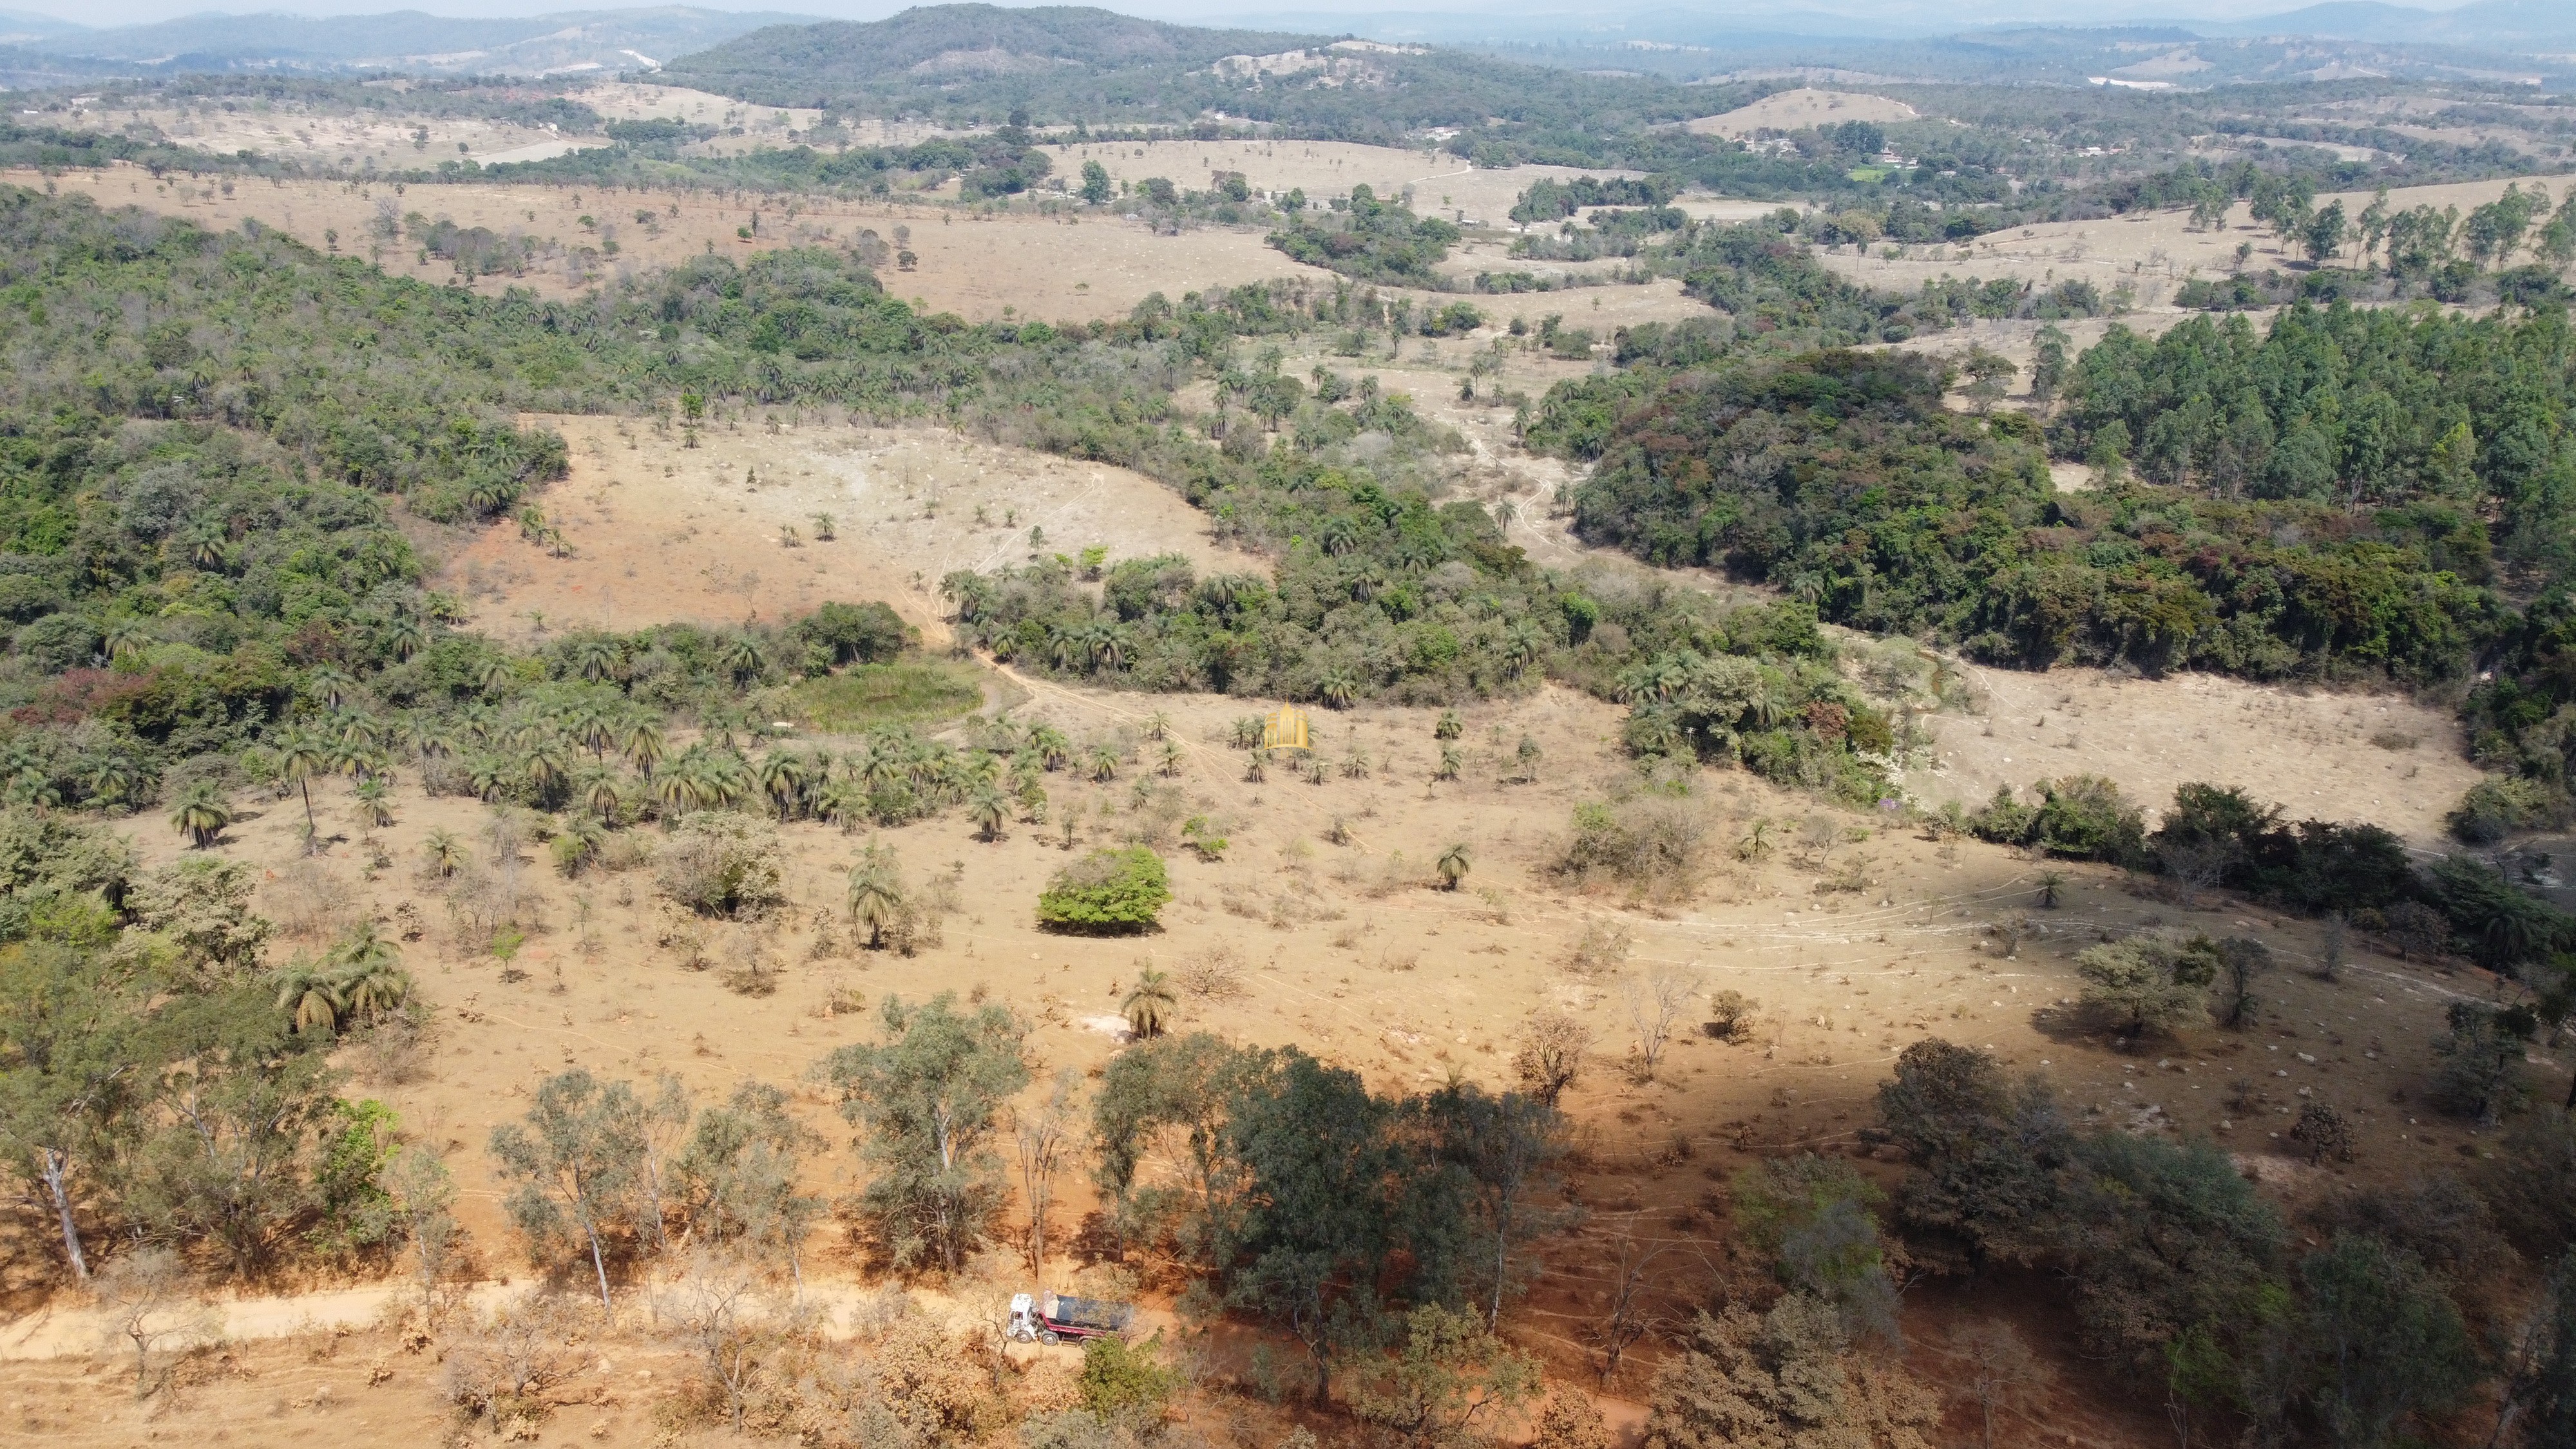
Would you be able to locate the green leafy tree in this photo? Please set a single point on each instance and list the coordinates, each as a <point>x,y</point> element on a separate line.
<point>1108,890</point>
<point>1815,1218</point>
<point>1332,1194</point>
<point>1988,1152</point>
<point>1510,1147</point>
<point>1451,1380</point>
<point>2386,1350</point>
<point>237,1108</point>
<point>738,1175</point>
<point>930,1096</point>
<point>2148,985</point>
<point>574,1161</point>
<point>67,1079</point>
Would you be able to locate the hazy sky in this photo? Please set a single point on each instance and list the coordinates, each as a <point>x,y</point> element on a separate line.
<point>1910,15</point>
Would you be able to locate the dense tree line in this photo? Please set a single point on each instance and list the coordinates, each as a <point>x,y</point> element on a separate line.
<point>1842,477</point>
<point>2364,1331</point>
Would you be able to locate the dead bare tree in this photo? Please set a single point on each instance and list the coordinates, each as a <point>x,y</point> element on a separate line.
<point>2001,1372</point>
<point>144,1298</point>
<point>719,1310</point>
<point>1551,1051</point>
<point>1043,1139</point>
<point>1624,1318</point>
<point>1655,1006</point>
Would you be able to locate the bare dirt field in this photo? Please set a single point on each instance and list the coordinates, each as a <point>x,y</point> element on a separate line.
<point>1805,106</point>
<point>659,531</point>
<point>1441,184</point>
<point>2378,757</point>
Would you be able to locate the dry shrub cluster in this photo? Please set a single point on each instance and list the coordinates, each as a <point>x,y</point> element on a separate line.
<point>722,863</point>
<point>1601,950</point>
<point>505,1367</point>
<point>1215,972</point>
<point>1656,847</point>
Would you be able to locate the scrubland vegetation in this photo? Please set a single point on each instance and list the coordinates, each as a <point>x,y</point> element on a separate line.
<point>228,463</point>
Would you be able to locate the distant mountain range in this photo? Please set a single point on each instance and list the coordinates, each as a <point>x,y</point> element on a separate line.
<point>927,49</point>
<point>2504,26</point>
<point>35,50</point>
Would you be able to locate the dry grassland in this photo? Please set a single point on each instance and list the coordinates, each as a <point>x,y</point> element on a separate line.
<point>662,532</point>
<point>973,265</point>
<point>1805,106</point>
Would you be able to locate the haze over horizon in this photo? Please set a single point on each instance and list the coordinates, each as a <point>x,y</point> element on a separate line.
<point>1895,17</point>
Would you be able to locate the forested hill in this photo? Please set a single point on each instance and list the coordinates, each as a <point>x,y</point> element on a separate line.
<point>936,49</point>
<point>967,64</point>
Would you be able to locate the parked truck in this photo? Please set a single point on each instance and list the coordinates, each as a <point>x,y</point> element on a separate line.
<point>1056,1318</point>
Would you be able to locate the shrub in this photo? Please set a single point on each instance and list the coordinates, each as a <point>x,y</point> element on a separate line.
<point>2482,1055</point>
<point>1107,890</point>
<point>1987,1151</point>
<point>1656,846</point>
<point>2148,984</point>
<point>2167,1240</point>
<point>1786,1377</point>
<point>722,863</point>
<point>2497,806</point>
<point>1118,1377</point>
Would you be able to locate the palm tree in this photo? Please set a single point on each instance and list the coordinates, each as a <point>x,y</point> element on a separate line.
<point>1052,748</point>
<point>406,637</point>
<point>1450,760</point>
<point>876,894</point>
<point>591,728</point>
<point>783,778</point>
<point>202,815</point>
<point>425,739</point>
<point>594,659</point>
<point>332,685</point>
<point>643,745</point>
<point>1256,767</point>
<point>988,808</point>
<point>495,675</point>
<point>372,810</point>
<point>446,856</point>
<point>112,781</point>
<point>373,990</point>
<point>2052,884</point>
<point>1171,757</point>
<point>1103,762</point>
<point>1158,724</point>
<point>313,995</point>
<point>301,756</point>
<point>844,801</point>
<point>545,765</point>
<point>1449,726</point>
<point>1149,1008</point>
<point>677,789</point>
<point>1338,688</point>
<point>744,657</point>
<point>598,790</point>
<point>206,549</point>
<point>1453,866</point>
<point>127,636</point>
